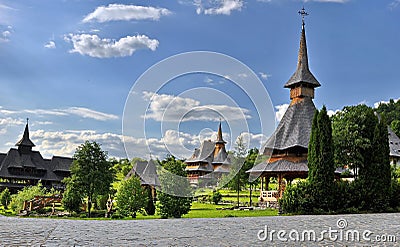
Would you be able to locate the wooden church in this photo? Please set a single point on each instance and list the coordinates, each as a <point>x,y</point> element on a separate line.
<point>24,167</point>
<point>288,145</point>
<point>209,161</point>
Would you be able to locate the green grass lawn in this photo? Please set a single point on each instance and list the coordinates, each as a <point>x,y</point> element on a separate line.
<point>198,210</point>
<point>202,210</point>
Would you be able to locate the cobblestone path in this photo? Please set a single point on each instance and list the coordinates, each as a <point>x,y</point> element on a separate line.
<point>331,230</point>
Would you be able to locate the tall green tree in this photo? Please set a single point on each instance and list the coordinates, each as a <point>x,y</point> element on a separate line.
<point>5,198</point>
<point>321,160</point>
<point>131,197</point>
<point>353,130</point>
<point>176,197</point>
<point>241,178</point>
<point>91,173</point>
<point>378,184</point>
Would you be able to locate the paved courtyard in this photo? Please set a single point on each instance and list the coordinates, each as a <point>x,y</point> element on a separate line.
<point>327,230</point>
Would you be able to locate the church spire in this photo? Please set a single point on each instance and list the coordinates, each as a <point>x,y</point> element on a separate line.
<point>303,74</point>
<point>25,141</point>
<point>219,134</point>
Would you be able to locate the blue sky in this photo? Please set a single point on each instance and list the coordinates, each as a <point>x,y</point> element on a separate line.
<point>69,66</point>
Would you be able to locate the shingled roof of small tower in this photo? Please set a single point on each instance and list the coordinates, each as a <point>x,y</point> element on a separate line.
<point>219,135</point>
<point>25,141</point>
<point>303,73</point>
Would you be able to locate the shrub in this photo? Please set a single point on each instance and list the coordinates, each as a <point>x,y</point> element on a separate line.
<point>71,201</point>
<point>216,197</point>
<point>5,198</point>
<point>26,194</point>
<point>131,197</point>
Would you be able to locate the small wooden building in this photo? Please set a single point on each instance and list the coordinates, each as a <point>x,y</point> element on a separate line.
<point>147,172</point>
<point>209,161</point>
<point>23,167</point>
<point>288,145</point>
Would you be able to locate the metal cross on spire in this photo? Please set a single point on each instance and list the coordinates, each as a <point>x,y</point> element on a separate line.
<point>303,14</point>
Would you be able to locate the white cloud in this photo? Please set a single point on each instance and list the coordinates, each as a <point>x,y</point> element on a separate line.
<point>7,122</point>
<point>281,109</point>
<point>5,35</point>
<point>121,12</point>
<point>3,6</point>
<point>332,112</point>
<point>218,7</point>
<point>50,45</point>
<point>64,143</point>
<point>253,140</point>
<point>77,111</point>
<point>264,76</point>
<point>164,107</point>
<point>94,46</point>
<point>88,113</point>
<point>376,104</point>
<point>394,4</point>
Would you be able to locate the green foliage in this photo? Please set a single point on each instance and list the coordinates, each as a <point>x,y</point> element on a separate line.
<point>150,207</point>
<point>72,200</point>
<point>390,111</point>
<point>5,198</point>
<point>172,205</point>
<point>320,161</point>
<point>26,194</point>
<point>297,199</point>
<point>131,197</point>
<point>353,130</point>
<point>216,197</point>
<point>91,173</point>
<point>361,141</point>
<point>394,195</point>
<point>375,178</point>
<point>395,126</point>
<point>122,167</point>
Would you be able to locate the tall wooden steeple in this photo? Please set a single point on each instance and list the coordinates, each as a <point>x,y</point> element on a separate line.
<point>25,144</point>
<point>288,145</point>
<point>302,82</point>
<point>219,143</point>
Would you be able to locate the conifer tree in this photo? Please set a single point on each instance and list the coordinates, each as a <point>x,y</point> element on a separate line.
<point>380,173</point>
<point>321,161</point>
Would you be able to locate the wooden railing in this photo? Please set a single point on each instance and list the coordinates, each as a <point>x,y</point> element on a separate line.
<point>40,202</point>
<point>269,195</point>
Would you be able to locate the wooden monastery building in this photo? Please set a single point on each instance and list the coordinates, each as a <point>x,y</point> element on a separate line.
<point>394,145</point>
<point>288,145</point>
<point>209,161</point>
<point>22,166</point>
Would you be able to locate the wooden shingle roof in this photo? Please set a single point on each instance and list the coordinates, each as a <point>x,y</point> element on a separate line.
<point>147,171</point>
<point>294,129</point>
<point>394,143</point>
